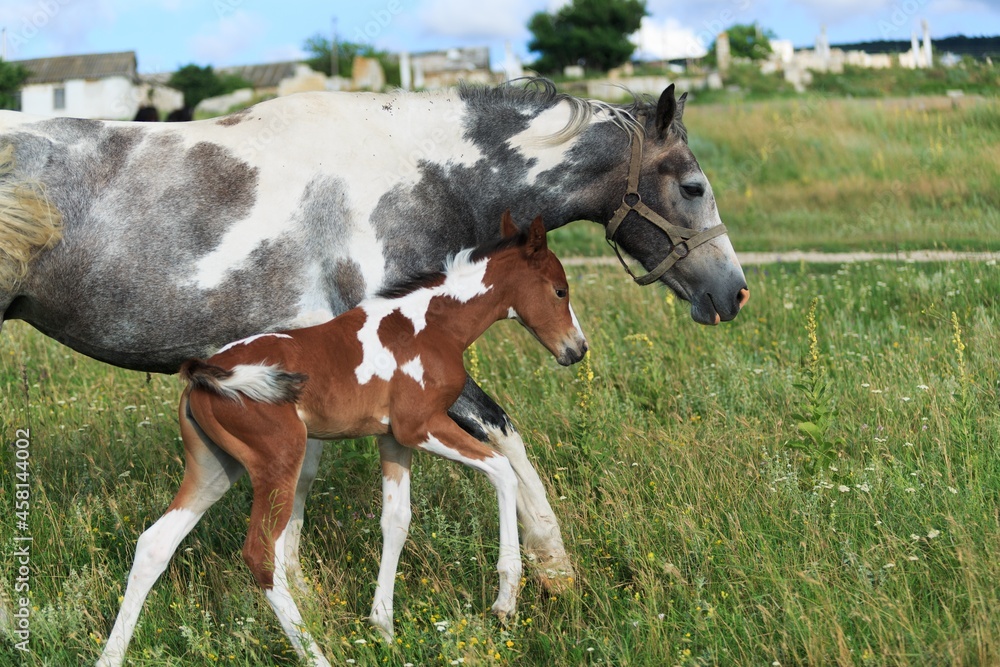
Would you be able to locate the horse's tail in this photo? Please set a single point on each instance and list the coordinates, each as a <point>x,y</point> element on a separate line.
<point>258,382</point>
<point>29,222</point>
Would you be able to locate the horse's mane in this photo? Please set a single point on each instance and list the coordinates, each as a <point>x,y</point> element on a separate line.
<point>456,262</point>
<point>540,93</point>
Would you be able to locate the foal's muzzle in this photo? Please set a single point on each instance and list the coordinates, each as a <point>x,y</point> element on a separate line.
<point>573,354</point>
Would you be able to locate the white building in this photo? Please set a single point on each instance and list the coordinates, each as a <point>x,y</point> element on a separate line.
<point>95,85</point>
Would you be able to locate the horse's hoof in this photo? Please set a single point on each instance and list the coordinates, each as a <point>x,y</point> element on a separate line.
<point>555,576</point>
<point>384,627</point>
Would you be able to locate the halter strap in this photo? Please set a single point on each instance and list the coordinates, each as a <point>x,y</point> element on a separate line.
<point>682,239</point>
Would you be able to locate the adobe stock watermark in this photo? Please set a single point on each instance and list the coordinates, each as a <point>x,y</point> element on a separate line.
<point>22,540</point>
<point>722,21</point>
<point>380,20</point>
<point>32,22</point>
<point>901,15</point>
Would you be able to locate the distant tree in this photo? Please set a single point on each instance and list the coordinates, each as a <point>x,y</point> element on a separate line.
<point>12,77</point>
<point>199,83</point>
<point>592,33</point>
<point>746,40</point>
<point>320,52</point>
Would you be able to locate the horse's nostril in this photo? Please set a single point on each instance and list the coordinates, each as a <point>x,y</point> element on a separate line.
<point>742,297</point>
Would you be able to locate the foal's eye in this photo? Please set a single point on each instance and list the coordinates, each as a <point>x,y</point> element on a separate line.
<point>561,293</point>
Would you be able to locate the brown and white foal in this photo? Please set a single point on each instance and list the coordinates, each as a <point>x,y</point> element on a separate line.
<point>392,367</point>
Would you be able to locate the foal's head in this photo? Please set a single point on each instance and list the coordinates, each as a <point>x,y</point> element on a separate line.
<point>533,281</point>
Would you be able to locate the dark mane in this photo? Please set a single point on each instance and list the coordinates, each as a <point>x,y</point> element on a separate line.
<point>420,280</point>
<point>539,94</point>
<point>498,245</point>
<point>536,92</point>
<point>411,283</point>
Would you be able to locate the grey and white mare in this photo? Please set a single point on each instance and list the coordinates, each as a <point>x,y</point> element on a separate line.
<point>143,245</point>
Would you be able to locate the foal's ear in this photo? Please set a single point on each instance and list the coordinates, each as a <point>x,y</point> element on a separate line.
<point>507,226</point>
<point>536,238</point>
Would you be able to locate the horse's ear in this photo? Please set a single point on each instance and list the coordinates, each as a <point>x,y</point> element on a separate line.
<point>507,226</point>
<point>665,109</point>
<point>536,238</point>
<point>679,113</point>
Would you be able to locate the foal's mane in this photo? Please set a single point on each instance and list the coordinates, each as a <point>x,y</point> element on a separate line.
<point>538,93</point>
<point>468,256</point>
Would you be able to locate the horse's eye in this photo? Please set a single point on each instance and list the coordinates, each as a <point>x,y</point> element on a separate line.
<point>561,293</point>
<point>693,190</point>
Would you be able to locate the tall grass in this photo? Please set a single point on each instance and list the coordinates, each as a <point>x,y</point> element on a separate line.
<point>698,533</point>
<point>824,174</point>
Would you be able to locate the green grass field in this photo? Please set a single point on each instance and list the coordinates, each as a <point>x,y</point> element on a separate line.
<point>707,526</point>
<point>701,536</point>
<point>816,173</point>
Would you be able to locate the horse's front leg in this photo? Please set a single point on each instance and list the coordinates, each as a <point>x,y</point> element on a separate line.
<point>479,415</point>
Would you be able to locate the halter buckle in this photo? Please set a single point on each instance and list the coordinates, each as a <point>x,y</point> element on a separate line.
<point>635,197</point>
<point>681,250</point>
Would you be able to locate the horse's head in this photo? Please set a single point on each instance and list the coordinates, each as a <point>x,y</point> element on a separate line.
<point>539,292</point>
<point>669,222</point>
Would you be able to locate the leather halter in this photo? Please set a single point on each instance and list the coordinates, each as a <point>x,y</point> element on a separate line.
<point>682,239</point>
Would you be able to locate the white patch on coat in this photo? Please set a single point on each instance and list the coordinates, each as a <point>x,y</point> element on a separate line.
<point>269,220</point>
<point>250,339</point>
<point>464,281</point>
<point>512,314</point>
<point>376,360</point>
<point>534,142</point>
<point>415,369</point>
<point>576,323</point>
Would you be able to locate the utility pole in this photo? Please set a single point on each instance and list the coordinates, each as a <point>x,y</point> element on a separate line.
<point>3,45</point>
<point>334,52</point>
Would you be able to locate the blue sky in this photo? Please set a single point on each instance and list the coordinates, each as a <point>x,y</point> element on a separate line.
<point>169,33</point>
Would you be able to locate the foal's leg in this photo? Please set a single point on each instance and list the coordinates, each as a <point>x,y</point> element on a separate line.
<point>395,526</point>
<point>478,414</point>
<point>310,466</point>
<point>269,440</point>
<point>208,474</point>
<point>446,439</point>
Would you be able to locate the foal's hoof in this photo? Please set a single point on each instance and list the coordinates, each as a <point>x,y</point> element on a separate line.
<point>504,613</point>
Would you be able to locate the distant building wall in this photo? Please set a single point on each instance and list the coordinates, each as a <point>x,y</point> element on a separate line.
<point>113,98</point>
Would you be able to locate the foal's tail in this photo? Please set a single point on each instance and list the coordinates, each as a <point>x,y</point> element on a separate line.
<point>29,222</point>
<point>258,382</point>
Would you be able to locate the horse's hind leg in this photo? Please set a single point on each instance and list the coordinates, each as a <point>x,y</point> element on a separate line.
<point>209,472</point>
<point>479,415</point>
<point>310,466</point>
<point>395,526</point>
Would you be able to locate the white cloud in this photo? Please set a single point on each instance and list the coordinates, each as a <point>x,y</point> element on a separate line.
<point>283,52</point>
<point>836,11</point>
<point>56,27</point>
<point>220,42</point>
<point>487,18</point>
<point>667,39</point>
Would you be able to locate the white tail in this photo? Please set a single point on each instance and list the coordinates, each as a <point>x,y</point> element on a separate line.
<point>258,382</point>
<point>29,223</point>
